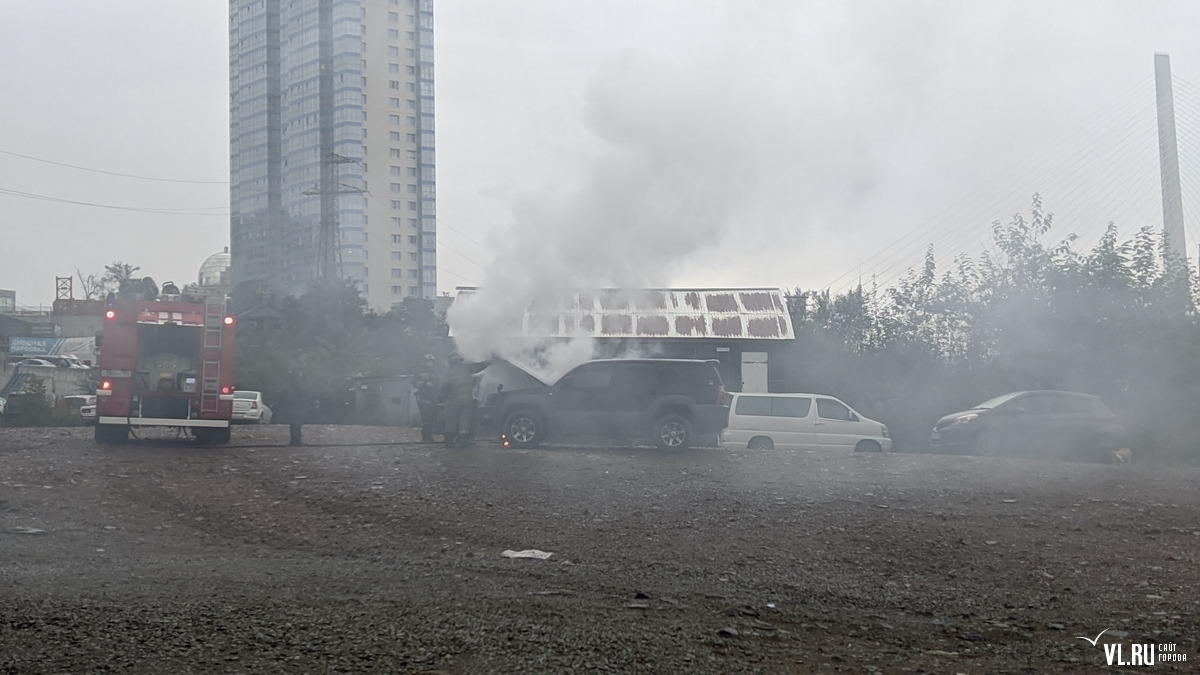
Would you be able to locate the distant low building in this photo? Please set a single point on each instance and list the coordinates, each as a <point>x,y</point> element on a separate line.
<point>738,327</point>
<point>8,301</point>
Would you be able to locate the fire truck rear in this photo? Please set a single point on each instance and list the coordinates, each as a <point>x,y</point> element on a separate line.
<point>166,363</point>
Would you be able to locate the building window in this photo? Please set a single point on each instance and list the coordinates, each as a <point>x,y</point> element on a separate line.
<point>394,136</point>
<point>411,70</point>
<point>393,34</point>
<point>397,204</point>
<point>412,121</point>
<point>412,105</point>
<point>412,36</point>
<point>397,239</point>
<point>412,256</point>
<point>428,191</point>
<point>393,17</point>
<point>429,258</point>
<point>413,274</point>
<point>429,277</point>
<point>427,106</point>
<point>394,153</point>
<point>412,154</point>
<point>413,290</point>
<point>395,171</point>
<point>412,206</point>
<point>394,120</point>
<point>397,290</point>
<point>397,273</point>
<point>393,103</point>
<point>412,171</point>
<point>411,53</point>
<point>393,84</point>
<point>412,239</point>
<point>412,189</point>
<point>393,67</point>
<point>397,221</point>
<point>397,256</point>
<point>412,86</point>
<point>395,187</point>
<point>426,173</point>
<point>411,138</point>
<point>393,51</point>
<point>412,20</point>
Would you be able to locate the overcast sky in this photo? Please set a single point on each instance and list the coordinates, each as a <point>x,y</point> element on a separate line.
<point>841,125</point>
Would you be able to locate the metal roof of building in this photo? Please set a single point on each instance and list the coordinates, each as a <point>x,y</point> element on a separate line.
<point>660,313</point>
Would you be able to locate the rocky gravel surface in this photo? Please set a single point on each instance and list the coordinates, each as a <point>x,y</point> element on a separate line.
<point>366,552</point>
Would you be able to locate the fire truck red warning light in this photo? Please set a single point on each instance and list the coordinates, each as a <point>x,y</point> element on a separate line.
<point>110,314</point>
<point>229,321</point>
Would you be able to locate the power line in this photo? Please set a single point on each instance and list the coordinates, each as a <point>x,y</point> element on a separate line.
<point>137,209</point>
<point>114,173</point>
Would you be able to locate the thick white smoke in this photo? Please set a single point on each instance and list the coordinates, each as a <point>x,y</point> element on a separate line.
<point>673,162</point>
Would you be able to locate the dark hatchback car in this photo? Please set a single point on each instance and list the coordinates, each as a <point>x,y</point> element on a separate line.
<point>1048,424</point>
<point>668,401</point>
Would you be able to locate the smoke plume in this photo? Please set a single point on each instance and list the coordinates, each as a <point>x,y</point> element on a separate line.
<point>662,186</point>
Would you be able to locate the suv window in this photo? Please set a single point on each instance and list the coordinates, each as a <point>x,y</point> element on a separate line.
<point>593,376</point>
<point>832,410</point>
<point>690,375</point>
<point>786,406</point>
<point>635,377</point>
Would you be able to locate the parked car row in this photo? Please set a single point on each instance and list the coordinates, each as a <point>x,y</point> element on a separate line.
<point>674,402</point>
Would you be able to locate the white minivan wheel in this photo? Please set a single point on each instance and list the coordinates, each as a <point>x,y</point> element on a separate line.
<point>760,443</point>
<point>868,446</point>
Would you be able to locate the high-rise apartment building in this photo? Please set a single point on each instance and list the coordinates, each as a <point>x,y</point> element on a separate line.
<point>332,155</point>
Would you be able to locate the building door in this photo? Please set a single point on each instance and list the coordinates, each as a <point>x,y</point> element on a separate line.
<point>754,372</point>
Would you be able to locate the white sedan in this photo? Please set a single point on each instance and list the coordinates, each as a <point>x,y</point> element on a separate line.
<point>248,408</point>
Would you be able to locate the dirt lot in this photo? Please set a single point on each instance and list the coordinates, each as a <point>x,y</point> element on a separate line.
<point>366,552</point>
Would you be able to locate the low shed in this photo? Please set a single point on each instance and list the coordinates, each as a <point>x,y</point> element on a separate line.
<point>740,328</point>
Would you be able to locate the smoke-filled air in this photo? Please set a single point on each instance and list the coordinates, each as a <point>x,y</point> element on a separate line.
<point>660,187</point>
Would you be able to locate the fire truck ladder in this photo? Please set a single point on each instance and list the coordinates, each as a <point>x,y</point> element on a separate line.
<point>210,373</point>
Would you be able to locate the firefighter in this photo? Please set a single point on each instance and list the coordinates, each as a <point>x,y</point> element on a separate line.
<point>477,396</point>
<point>459,393</point>
<point>297,399</point>
<point>426,385</point>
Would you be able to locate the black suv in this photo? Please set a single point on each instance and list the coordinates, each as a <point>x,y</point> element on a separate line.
<point>667,400</point>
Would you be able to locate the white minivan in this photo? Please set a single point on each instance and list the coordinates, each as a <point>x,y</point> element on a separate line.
<point>800,422</point>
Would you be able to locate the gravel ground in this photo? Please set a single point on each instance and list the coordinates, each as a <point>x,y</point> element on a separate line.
<point>367,552</point>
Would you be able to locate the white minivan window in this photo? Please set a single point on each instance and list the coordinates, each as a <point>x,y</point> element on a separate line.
<point>832,410</point>
<point>786,406</point>
<point>773,406</point>
<point>758,406</point>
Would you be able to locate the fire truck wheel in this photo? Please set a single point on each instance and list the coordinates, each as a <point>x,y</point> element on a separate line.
<point>111,434</point>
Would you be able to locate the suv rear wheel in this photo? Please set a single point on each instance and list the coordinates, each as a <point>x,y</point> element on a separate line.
<point>672,432</point>
<point>524,429</point>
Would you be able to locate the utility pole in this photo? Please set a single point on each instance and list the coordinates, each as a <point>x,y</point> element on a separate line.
<point>1168,159</point>
<point>329,239</point>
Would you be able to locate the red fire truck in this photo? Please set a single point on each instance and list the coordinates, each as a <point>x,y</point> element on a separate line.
<point>165,363</point>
